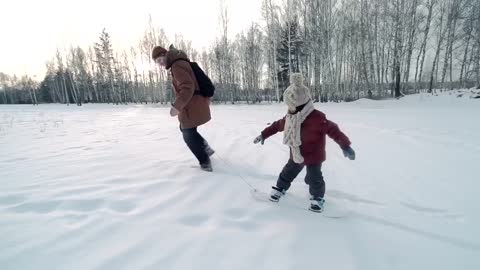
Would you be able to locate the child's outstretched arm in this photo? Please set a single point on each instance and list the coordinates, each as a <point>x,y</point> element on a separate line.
<point>274,128</point>
<point>334,132</point>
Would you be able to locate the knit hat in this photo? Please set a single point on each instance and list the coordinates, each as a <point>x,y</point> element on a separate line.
<point>297,93</point>
<point>158,52</point>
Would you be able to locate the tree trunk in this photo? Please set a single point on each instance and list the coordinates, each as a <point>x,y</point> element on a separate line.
<point>74,89</point>
<point>449,30</point>
<point>411,40</point>
<point>67,99</point>
<point>464,61</point>
<point>439,46</point>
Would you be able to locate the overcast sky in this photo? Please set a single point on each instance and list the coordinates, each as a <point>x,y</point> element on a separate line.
<point>31,30</point>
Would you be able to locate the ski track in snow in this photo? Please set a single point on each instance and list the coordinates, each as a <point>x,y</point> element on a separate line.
<point>114,187</point>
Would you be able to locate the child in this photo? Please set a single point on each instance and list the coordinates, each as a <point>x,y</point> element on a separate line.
<point>304,132</point>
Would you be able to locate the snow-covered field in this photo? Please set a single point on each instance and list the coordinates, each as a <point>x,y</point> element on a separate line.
<point>114,187</point>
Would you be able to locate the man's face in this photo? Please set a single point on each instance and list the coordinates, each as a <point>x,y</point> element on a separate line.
<point>161,61</point>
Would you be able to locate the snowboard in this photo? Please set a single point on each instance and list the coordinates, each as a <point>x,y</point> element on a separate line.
<point>333,208</point>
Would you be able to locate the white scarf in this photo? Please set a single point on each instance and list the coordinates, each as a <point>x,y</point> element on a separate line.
<point>291,133</point>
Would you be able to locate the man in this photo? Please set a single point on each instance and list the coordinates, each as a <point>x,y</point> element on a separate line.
<point>192,109</point>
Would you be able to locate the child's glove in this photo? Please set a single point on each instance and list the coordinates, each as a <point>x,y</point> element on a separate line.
<point>349,153</point>
<point>259,139</point>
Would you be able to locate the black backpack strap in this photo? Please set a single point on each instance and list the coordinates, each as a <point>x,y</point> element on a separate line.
<point>197,92</point>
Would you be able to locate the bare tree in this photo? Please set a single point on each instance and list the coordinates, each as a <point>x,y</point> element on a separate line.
<point>63,83</point>
<point>270,15</point>
<point>440,37</point>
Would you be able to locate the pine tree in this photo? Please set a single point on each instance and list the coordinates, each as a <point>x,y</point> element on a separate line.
<point>105,64</point>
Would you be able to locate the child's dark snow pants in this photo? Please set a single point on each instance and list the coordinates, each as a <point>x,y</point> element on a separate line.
<point>314,178</point>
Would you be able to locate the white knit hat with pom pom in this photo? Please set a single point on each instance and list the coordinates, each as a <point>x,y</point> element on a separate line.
<point>297,93</point>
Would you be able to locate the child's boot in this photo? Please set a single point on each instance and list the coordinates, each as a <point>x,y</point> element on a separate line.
<point>317,204</point>
<point>276,194</point>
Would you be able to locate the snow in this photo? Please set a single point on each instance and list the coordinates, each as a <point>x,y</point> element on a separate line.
<point>114,187</point>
